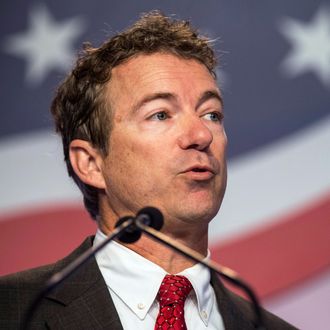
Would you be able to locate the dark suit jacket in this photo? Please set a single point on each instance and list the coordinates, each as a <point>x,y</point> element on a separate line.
<point>83,301</point>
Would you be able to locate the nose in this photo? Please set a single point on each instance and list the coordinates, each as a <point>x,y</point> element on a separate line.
<point>195,134</point>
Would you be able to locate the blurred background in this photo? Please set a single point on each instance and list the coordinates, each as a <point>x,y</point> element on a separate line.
<point>274,72</point>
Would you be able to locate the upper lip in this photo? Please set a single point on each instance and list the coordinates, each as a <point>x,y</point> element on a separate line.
<point>200,168</point>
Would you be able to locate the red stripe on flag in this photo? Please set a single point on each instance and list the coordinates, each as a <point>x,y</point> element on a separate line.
<point>280,255</point>
<point>41,236</point>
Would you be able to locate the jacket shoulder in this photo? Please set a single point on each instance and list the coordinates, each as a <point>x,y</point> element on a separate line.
<point>18,290</point>
<point>239,313</point>
<point>271,321</point>
<point>30,277</point>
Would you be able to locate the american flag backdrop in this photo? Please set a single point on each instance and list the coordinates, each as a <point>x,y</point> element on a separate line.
<point>274,225</point>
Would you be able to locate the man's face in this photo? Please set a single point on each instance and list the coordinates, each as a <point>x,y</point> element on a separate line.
<point>167,145</point>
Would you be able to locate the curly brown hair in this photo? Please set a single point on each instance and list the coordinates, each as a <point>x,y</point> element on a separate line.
<point>79,108</point>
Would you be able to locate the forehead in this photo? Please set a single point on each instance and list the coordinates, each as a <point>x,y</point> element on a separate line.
<point>159,72</point>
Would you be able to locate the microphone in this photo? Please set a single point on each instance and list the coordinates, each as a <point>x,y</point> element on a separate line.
<point>149,216</point>
<point>125,228</point>
<point>146,222</point>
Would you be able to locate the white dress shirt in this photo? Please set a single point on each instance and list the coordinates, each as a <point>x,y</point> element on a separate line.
<point>133,283</point>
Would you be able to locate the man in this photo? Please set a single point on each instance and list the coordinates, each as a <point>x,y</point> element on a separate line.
<point>141,120</point>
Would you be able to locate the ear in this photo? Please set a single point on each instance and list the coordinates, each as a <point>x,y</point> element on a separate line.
<point>87,163</point>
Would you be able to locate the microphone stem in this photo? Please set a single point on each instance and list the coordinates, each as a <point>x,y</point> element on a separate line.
<point>225,272</point>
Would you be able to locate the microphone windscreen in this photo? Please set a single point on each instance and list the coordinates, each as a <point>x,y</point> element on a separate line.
<point>155,216</point>
<point>131,234</point>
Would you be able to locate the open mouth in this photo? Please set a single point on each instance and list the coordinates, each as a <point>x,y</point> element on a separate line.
<point>199,173</point>
<point>199,170</point>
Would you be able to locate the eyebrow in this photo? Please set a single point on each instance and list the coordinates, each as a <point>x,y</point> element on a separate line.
<point>152,97</point>
<point>211,94</point>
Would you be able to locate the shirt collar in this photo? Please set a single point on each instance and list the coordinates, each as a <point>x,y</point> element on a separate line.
<point>199,277</point>
<point>141,273</point>
<point>136,273</point>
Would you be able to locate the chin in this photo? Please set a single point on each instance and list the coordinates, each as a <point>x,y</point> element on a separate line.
<point>197,213</point>
<point>192,208</point>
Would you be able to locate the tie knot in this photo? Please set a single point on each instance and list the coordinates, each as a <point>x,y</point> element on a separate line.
<point>173,290</point>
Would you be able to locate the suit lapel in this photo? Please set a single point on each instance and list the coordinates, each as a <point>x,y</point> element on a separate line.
<point>83,300</point>
<point>232,315</point>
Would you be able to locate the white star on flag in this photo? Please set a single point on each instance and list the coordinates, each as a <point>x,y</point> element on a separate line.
<point>310,46</point>
<point>47,45</point>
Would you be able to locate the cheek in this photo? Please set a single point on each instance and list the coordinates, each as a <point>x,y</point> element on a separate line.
<point>219,144</point>
<point>131,157</point>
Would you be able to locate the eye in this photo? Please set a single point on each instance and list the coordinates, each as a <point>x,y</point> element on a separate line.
<point>162,115</point>
<point>214,116</point>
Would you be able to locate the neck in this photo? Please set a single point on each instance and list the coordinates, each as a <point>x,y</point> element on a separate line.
<point>171,261</point>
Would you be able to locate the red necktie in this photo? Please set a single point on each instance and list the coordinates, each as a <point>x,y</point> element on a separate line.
<point>171,296</point>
